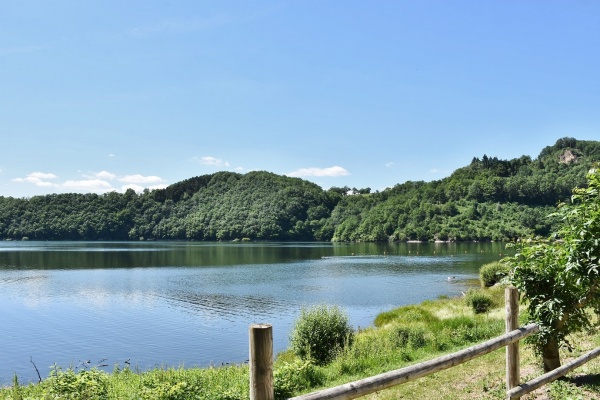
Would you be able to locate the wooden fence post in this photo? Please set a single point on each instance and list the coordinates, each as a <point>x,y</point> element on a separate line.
<point>261,362</point>
<point>513,373</point>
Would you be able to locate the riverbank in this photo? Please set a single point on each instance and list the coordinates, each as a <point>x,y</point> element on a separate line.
<point>400,337</point>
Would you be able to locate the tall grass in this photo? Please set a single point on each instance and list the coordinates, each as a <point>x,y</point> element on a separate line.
<point>226,383</point>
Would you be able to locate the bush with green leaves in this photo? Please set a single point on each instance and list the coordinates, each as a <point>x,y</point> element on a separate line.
<point>407,337</point>
<point>320,333</point>
<point>292,377</point>
<point>492,273</point>
<point>479,300</point>
<point>68,384</point>
<point>560,279</point>
<point>178,384</point>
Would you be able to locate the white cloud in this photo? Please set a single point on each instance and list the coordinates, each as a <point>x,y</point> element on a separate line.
<point>42,175</point>
<point>389,164</point>
<point>88,185</point>
<point>217,162</point>
<point>111,155</point>
<point>105,175</point>
<point>333,172</point>
<point>95,183</point>
<point>137,179</point>
<point>38,179</point>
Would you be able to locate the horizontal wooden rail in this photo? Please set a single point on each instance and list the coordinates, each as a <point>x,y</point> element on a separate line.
<point>386,380</point>
<point>533,384</point>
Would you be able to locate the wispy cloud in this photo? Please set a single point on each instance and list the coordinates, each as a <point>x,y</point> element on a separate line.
<point>389,164</point>
<point>333,172</point>
<point>87,185</point>
<point>38,179</point>
<point>137,179</point>
<point>216,162</point>
<point>99,182</point>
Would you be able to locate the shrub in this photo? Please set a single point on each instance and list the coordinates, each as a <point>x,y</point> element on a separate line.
<point>480,301</point>
<point>293,377</point>
<point>492,273</point>
<point>86,384</point>
<point>177,384</point>
<point>402,336</point>
<point>320,333</point>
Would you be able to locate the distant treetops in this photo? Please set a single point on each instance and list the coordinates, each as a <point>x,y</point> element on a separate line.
<point>490,199</point>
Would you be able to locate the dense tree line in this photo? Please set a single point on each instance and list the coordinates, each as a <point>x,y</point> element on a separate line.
<point>490,199</point>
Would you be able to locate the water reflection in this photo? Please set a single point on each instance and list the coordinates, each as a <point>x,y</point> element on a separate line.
<point>172,303</point>
<point>69,255</point>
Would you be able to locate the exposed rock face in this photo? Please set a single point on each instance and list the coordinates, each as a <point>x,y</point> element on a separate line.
<point>568,157</point>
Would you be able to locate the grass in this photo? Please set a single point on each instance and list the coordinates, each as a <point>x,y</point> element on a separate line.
<point>401,337</point>
<point>225,383</point>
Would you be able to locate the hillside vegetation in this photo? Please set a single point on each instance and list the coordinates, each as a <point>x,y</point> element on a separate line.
<point>490,199</point>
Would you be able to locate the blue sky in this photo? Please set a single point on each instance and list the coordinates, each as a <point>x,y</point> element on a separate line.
<point>105,95</point>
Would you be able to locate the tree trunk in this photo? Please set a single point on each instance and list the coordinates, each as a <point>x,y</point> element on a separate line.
<point>550,355</point>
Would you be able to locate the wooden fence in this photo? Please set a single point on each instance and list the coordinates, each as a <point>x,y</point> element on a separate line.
<point>261,363</point>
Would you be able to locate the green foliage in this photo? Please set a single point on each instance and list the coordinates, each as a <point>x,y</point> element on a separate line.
<point>492,273</point>
<point>205,384</point>
<point>562,390</point>
<point>320,333</point>
<point>463,330</point>
<point>293,377</point>
<point>490,199</point>
<point>89,384</point>
<point>479,301</point>
<point>163,385</point>
<point>407,336</point>
<point>16,390</point>
<point>560,278</point>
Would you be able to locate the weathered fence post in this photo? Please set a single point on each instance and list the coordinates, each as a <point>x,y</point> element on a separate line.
<point>513,373</point>
<point>261,362</point>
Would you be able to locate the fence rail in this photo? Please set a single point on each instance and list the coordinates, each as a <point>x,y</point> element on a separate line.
<point>386,380</point>
<point>261,379</point>
<point>548,377</point>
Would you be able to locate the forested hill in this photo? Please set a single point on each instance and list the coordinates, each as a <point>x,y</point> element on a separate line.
<point>490,199</point>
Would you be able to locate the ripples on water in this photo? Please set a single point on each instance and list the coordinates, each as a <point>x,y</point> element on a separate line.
<point>191,303</point>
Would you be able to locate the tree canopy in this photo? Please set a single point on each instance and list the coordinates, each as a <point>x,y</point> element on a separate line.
<point>489,199</point>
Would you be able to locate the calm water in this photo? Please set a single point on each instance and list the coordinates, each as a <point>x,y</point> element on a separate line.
<point>172,304</point>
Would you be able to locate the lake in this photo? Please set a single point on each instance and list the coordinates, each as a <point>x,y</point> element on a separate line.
<point>191,303</point>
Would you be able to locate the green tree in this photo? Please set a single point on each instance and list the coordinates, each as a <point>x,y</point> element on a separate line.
<point>560,279</point>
